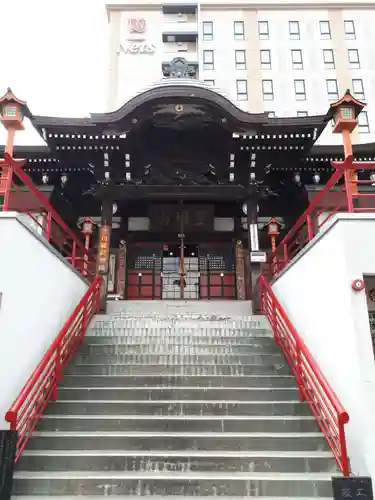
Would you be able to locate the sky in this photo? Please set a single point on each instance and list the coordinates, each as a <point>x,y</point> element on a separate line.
<point>53,54</point>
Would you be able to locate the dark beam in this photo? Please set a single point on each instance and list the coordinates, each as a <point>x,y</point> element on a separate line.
<point>218,192</point>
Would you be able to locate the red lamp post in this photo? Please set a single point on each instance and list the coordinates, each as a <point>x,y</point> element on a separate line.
<point>12,113</point>
<point>87,229</point>
<point>344,114</point>
<point>273,227</point>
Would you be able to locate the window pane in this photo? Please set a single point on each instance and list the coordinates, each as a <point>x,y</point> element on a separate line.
<point>299,86</point>
<point>263,30</point>
<point>302,113</point>
<point>241,90</point>
<point>325,29</point>
<point>265,59</point>
<point>363,125</point>
<point>353,57</point>
<point>358,89</point>
<point>349,29</point>
<point>294,30</point>
<point>207,30</point>
<point>240,56</point>
<point>328,56</point>
<point>210,82</point>
<point>239,30</point>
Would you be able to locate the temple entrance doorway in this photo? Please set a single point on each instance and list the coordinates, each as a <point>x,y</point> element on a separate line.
<point>165,271</point>
<point>180,272</point>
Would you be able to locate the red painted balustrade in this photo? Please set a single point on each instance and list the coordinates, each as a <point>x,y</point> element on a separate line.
<point>25,412</point>
<point>22,196</point>
<point>312,385</point>
<point>346,191</point>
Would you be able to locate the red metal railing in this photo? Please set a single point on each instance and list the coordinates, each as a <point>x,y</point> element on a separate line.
<point>29,406</point>
<point>312,385</point>
<point>344,192</point>
<point>21,195</point>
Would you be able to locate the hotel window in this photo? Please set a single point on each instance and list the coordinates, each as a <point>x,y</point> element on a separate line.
<point>240,59</point>
<point>325,30</point>
<point>300,90</point>
<point>297,62</point>
<point>263,32</point>
<point>239,30</point>
<point>349,30</point>
<point>363,125</point>
<point>302,113</point>
<point>353,56</point>
<point>208,31</point>
<point>332,89</point>
<point>328,59</point>
<point>211,83</point>
<point>267,87</point>
<point>241,86</point>
<point>265,59</point>
<point>358,90</point>
<point>208,59</point>
<point>294,30</point>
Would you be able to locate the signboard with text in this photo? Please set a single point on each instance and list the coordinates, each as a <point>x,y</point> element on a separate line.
<point>103,251</point>
<point>352,487</point>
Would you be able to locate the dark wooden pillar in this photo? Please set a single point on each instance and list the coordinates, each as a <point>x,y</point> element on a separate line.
<point>104,248</point>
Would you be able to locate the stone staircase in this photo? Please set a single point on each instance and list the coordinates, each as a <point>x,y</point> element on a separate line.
<point>186,398</point>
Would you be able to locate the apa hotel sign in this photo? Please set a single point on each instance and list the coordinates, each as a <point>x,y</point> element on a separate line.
<point>136,43</point>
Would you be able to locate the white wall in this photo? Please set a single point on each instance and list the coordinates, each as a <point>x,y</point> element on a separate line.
<point>39,292</point>
<point>333,320</point>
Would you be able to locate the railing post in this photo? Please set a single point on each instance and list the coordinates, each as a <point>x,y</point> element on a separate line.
<point>97,298</point>
<point>285,250</point>
<point>261,291</point>
<point>74,254</point>
<point>57,371</point>
<point>49,226</point>
<point>348,190</point>
<point>344,452</point>
<point>299,372</point>
<point>310,233</point>
<point>274,319</point>
<point>83,325</point>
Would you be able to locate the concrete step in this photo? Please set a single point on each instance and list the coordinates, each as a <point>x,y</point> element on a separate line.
<point>178,461</point>
<point>157,497</point>
<point>205,340</point>
<point>180,359</point>
<point>172,483</point>
<point>178,393</point>
<point>167,369</point>
<point>178,381</point>
<point>177,423</point>
<point>234,441</point>
<point>145,330</point>
<point>230,408</point>
<point>164,348</point>
<point>177,329</point>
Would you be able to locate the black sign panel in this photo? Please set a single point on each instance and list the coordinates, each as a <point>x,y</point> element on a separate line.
<point>8,440</point>
<point>188,218</point>
<point>345,488</point>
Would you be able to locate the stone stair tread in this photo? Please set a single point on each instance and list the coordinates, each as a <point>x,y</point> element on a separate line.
<point>178,417</point>
<point>174,388</point>
<point>155,497</point>
<point>180,401</point>
<point>141,434</point>
<point>251,476</point>
<point>181,453</point>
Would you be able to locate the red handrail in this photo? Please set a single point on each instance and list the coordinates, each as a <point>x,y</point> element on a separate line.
<point>53,227</point>
<point>312,385</point>
<point>340,194</point>
<point>30,404</point>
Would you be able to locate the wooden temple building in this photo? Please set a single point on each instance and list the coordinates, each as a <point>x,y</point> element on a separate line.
<point>186,181</point>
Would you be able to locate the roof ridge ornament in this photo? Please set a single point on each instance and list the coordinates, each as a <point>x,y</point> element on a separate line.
<point>179,68</point>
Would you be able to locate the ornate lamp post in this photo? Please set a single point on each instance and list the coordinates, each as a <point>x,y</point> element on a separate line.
<point>87,228</point>
<point>12,113</point>
<point>273,227</point>
<point>344,114</point>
